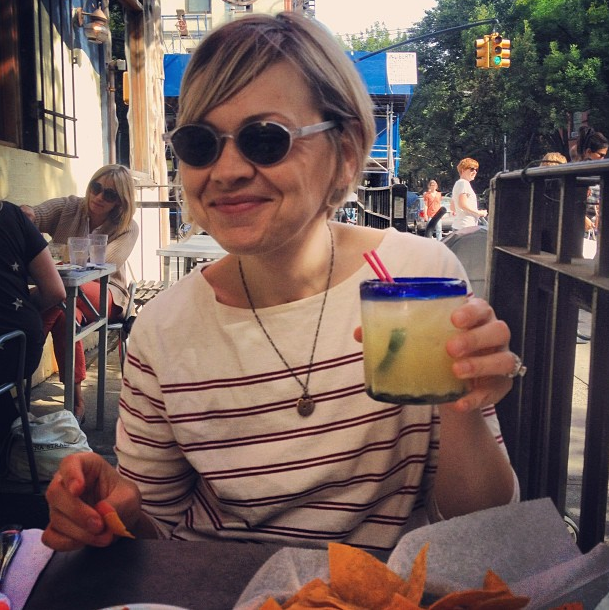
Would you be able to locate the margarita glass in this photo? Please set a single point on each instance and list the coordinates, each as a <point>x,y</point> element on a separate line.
<point>406,324</point>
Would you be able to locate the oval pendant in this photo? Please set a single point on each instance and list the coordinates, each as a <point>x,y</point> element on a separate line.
<point>305,406</point>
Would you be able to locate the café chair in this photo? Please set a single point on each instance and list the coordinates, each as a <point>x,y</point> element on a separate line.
<point>123,327</point>
<point>24,406</point>
<point>433,222</point>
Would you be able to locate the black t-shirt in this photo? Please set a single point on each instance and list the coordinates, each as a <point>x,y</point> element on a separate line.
<point>20,243</point>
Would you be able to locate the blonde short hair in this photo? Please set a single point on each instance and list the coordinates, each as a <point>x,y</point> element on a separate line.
<point>467,163</point>
<point>553,158</point>
<point>233,55</point>
<point>122,214</point>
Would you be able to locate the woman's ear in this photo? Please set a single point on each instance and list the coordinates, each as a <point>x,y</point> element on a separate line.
<point>350,166</point>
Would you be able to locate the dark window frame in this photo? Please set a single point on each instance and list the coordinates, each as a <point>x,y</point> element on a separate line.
<point>56,113</point>
<point>32,87</point>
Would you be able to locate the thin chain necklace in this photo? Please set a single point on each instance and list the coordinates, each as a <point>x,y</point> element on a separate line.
<point>305,405</point>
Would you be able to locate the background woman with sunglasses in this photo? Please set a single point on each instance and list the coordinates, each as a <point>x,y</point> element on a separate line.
<point>464,198</point>
<point>243,412</point>
<point>108,208</point>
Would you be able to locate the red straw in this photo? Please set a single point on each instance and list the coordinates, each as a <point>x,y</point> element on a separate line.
<point>377,266</point>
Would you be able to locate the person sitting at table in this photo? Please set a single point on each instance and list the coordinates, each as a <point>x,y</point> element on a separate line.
<point>243,412</point>
<point>24,260</point>
<point>108,208</point>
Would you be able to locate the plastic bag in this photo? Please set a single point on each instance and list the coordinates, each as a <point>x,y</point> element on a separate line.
<point>54,436</point>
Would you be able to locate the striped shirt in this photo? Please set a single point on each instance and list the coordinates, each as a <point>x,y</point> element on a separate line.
<point>209,432</point>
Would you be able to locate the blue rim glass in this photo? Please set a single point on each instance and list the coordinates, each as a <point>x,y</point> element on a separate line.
<point>413,288</point>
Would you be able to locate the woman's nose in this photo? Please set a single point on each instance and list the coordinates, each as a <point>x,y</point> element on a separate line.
<point>231,164</point>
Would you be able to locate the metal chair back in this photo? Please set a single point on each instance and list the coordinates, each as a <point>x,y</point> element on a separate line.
<point>18,383</point>
<point>123,327</point>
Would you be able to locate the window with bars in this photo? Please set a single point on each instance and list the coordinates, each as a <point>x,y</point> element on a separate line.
<point>37,76</point>
<point>56,99</point>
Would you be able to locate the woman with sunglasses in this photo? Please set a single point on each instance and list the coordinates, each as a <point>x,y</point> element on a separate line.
<point>243,412</point>
<point>108,208</point>
<point>464,200</point>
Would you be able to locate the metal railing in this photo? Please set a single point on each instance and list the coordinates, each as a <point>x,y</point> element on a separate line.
<point>539,283</point>
<point>383,207</point>
<point>183,36</point>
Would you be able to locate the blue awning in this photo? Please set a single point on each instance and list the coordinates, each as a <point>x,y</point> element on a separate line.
<point>174,65</point>
<point>373,71</point>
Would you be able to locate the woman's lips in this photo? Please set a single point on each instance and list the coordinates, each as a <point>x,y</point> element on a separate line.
<point>235,204</point>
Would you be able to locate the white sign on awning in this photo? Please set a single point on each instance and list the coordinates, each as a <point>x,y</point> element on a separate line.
<point>402,68</point>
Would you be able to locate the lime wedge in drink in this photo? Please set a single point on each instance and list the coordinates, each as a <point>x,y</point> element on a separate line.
<point>396,341</point>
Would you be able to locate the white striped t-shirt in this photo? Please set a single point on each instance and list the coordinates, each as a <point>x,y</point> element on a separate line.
<point>209,431</point>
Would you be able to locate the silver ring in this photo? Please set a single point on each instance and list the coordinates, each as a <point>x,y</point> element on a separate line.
<point>519,369</point>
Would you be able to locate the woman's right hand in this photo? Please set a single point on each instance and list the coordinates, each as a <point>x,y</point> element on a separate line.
<point>82,480</point>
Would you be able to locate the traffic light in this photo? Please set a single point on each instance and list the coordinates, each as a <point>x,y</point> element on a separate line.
<point>482,52</point>
<point>500,51</point>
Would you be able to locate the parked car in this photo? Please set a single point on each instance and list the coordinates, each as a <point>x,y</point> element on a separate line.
<point>447,219</point>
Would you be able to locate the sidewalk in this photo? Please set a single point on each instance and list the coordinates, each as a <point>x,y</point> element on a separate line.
<point>49,395</point>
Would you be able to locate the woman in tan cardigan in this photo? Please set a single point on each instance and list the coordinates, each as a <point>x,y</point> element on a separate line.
<point>108,207</point>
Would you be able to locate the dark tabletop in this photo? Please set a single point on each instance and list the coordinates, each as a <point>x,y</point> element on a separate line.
<point>208,575</point>
<point>199,575</point>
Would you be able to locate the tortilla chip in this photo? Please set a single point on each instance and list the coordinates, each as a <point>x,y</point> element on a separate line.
<point>317,594</point>
<point>270,604</point>
<point>492,582</point>
<point>399,602</point>
<point>112,520</point>
<point>361,579</point>
<point>418,575</point>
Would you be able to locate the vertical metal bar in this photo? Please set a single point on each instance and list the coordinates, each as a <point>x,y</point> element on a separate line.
<point>53,79</point>
<point>102,351</point>
<point>564,329</point>
<point>68,392</point>
<point>72,77</point>
<point>602,246</point>
<point>64,119</point>
<point>41,54</point>
<point>596,449</point>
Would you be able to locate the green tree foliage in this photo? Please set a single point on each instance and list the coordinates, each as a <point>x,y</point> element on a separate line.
<point>559,66</point>
<point>373,39</point>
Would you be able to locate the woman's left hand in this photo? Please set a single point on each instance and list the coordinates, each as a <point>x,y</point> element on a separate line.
<point>482,354</point>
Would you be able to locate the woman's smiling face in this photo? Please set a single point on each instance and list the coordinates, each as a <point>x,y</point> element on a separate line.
<point>250,208</point>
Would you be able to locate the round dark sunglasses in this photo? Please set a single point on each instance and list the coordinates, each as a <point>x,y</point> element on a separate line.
<point>109,195</point>
<point>261,142</point>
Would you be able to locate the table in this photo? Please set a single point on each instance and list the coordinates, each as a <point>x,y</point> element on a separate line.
<point>206,575</point>
<point>72,280</point>
<point>196,246</point>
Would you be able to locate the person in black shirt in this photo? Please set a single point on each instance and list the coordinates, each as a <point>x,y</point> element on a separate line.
<point>24,260</point>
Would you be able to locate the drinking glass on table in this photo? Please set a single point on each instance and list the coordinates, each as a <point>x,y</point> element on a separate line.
<point>97,248</point>
<point>78,248</point>
<point>406,324</point>
<point>57,251</point>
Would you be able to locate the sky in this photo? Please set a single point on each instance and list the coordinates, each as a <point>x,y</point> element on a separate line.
<point>354,16</point>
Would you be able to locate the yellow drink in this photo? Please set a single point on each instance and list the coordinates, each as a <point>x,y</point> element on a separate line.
<point>404,337</point>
